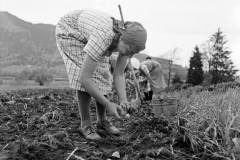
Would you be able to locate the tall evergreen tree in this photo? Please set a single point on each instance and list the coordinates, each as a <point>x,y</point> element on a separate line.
<point>222,67</point>
<point>195,71</point>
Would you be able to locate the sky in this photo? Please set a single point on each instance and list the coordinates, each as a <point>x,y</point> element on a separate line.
<point>171,25</point>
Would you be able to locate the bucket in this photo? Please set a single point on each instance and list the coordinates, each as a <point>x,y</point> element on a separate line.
<point>166,107</point>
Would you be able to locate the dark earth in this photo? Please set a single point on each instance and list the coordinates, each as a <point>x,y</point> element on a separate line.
<point>44,124</point>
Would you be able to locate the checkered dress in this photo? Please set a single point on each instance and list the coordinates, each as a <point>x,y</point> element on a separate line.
<point>86,32</point>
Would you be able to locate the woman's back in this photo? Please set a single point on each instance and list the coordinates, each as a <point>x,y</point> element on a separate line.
<point>81,24</point>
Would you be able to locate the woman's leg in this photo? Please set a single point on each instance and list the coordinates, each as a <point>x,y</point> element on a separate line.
<point>150,95</point>
<point>103,123</point>
<point>145,96</point>
<point>83,105</point>
<point>101,112</point>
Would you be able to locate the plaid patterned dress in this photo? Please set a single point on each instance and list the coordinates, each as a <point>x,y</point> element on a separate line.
<point>86,32</point>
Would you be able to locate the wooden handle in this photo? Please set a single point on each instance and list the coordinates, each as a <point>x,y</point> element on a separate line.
<point>120,10</point>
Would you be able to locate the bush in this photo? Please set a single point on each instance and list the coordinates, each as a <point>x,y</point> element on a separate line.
<point>21,77</point>
<point>24,75</point>
<point>178,87</point>
<point>176,79</point>
<point>42,76</point>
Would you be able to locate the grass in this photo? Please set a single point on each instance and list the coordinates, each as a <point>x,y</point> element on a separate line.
<point>9,84</point>
<point>212,121</point>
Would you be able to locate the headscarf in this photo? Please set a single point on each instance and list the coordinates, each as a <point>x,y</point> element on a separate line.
<point>135,35</point>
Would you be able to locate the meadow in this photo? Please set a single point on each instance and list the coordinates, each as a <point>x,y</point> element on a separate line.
<point>10,84</point>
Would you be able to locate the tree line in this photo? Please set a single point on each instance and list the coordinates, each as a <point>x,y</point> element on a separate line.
<point>211,64</point>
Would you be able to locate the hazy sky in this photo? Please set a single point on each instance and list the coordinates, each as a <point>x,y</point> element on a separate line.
<point>169,23</point>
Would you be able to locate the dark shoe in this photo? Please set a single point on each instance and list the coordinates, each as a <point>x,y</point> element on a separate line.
<point>108,127</point>
<point>90,133</point>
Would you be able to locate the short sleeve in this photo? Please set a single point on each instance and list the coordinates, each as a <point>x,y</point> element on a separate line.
<point>98,43</point>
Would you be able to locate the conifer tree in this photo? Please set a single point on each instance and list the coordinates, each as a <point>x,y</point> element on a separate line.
<point>222,69</point>
<point>195,71</point>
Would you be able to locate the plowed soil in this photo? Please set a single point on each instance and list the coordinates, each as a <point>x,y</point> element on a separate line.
<point>44,125</point>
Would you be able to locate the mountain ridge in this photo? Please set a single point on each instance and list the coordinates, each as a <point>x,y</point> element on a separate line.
<point>23,43</point>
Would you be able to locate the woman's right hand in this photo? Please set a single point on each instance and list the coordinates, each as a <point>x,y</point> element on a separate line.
<point>115,110</point>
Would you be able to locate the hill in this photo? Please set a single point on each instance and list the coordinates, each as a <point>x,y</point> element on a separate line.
<point>27,45</point>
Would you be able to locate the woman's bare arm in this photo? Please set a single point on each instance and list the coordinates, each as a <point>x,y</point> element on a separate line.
<point>119,78</point>
<point>88,67</point>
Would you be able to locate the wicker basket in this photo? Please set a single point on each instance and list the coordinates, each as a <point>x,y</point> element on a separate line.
<point>166,107</point>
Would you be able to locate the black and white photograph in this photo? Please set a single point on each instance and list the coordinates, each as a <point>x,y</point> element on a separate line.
<point>119,80</point>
